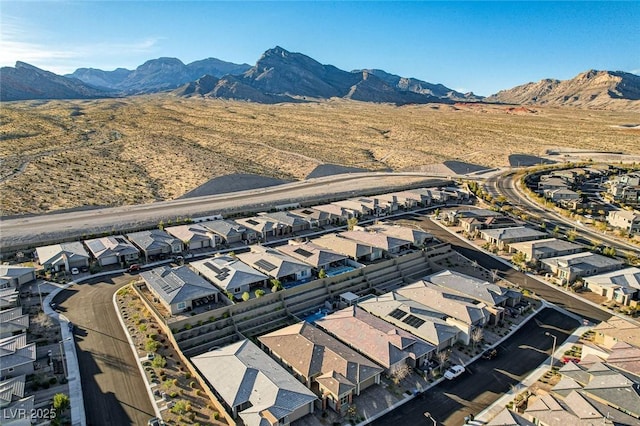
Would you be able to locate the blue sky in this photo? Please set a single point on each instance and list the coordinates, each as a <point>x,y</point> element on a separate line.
<point>469,46</point>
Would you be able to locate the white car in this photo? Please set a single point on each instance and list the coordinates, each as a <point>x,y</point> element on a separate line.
<point>74,271</point>
<point>453,372</point>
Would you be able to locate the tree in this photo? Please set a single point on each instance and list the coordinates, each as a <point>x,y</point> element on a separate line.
<point>609,251</point>
<point>259,292</point>
<point>556,231</point>
<point>442,356</point>
<point>476,336</point>
<point>519,258</point>
<point>61,402</point>
<point>159,362</point>
<point>572,234</point>
<point>322,274</point>
<point>276,285</point>
<point>181,407</point>
<point>351,223</point>
<point>400,373</point>
<point>246,296</point>
<point>151,345</point>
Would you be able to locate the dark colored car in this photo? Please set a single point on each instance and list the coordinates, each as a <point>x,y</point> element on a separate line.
<point>490,354</point>
<point>133,268</point>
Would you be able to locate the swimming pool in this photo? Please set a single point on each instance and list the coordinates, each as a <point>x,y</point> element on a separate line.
<point>316,316</point>
<point>339,270</point>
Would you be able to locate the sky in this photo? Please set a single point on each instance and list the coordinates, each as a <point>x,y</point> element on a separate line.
<point>474,46</point>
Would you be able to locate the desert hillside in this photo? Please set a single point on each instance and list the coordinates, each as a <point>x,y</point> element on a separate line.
<point>66,154</point>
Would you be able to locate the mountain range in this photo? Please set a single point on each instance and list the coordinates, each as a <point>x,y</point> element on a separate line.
<point>283,76</point>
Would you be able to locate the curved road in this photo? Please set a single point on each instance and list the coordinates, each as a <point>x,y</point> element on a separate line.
<point>30,231</point>
<point>508,185</point>
<point>113,390</point>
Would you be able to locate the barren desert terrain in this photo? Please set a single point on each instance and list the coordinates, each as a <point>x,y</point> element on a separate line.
<point>68,154</point>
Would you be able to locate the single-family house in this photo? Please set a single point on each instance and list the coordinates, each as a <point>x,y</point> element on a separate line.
<point>416,318</point>
<point>318,257</point>
<point>355,249</point>
<point>388,244</point>
<point>454,216</point>
<point>621,286</point>
<point>378,207</point>
<point>506,417</point>
<point>11,390</point>
<point>288,222</point>
<point>609,333</point>
<point>493,295</point>
<point>112,250</point>
<point>16,356</point>
<point>536,250</point>
<point>13,321</point>
<point>63,256</point>
<point>317,218</point>
<point>230,274</point>
<point>253,386</point>
<point>356,207</point>
<point>416,237</point>
<point>465,313</point>
<point>12,276</point>
<point>179,289</point>
<point>231,232</point>
<point>579,265</point>
<point>415,198</point>
<point>475,223</point>
<point>263,227</point>
<point>502,237</point>
<point>336,372</point>
<point>627,220</point>
<point>195,236</point>
<point>552,183</point>
<point>155,244</point>
<point>400,199</point>
<point>384,343</point>
<point>335,210</point>
<point>9,298</point>
<point>561,194</point>
<point>275,264</point>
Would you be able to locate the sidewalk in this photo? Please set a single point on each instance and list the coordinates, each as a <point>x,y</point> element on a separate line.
<point>78,416</point>
<point>490,412</point>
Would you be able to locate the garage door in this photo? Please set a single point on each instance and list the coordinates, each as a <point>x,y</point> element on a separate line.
<point>111,260</point>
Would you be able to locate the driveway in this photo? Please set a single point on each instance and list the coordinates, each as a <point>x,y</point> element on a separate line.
<point>114,392</point>
<point>486,380</point>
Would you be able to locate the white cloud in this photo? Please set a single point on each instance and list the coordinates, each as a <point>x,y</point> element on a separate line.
<point>16,44</point>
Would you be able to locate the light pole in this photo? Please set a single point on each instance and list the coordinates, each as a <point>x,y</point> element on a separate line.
<point>428,415</point>
<point>64,367</point>
<point>553,350</point>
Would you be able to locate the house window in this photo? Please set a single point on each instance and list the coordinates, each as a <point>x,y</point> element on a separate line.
<point>344,400</point>
<point>182,305</point>
<point>236,290</point>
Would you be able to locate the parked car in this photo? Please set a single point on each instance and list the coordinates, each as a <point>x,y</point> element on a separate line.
<point>490,354</point>
<point>154,421</point>
<point>453,372</point>
<point>133,268</point>
<point>151,356</point>
<point>75,271</point>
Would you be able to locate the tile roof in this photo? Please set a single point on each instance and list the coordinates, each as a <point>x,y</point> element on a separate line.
<point>312,352</point>
<point>376,239</point>
<point>10,388</point>
<point>374,337</point>
<point>626,278</point>
<point>55,252</point>
<point>311,254</point>
<point>225,228</point>
<point>582,261</point>
<point>272,262</point>
<point>507,234</point>
<point>175,285</point>
<point>11,271</point>
<point>15,351</point>
<point>346,246</point>
<point>115,245</point>
<point>228,272</point>
<point>152,240</point>
<point>241,373</point>
<point>478,289</point>
<point>190,233</point>
<point>547,245</point>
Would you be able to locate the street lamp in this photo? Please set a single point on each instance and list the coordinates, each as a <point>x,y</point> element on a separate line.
<point>428,415</point>
<point>553,350</point>
<point>40,294</point>
<point>64,367</point>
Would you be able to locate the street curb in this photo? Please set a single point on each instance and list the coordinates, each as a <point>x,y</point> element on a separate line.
<point>132,345</point>
<point>78,415</point>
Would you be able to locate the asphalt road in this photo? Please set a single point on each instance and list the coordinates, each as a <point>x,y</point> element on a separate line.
<point>548,293</point>
<point>486,380</point>
<point>32,231</point>
<point>114,392</point>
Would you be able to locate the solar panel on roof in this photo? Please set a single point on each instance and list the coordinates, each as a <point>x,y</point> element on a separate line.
<point>397,313</point>
<point>213,267</point>
<point>253,222</point>
<point>302,252</point>
<point>120,240</point>
<point>413,321</point>
<point>307,211</point>
<point>263,264</point>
